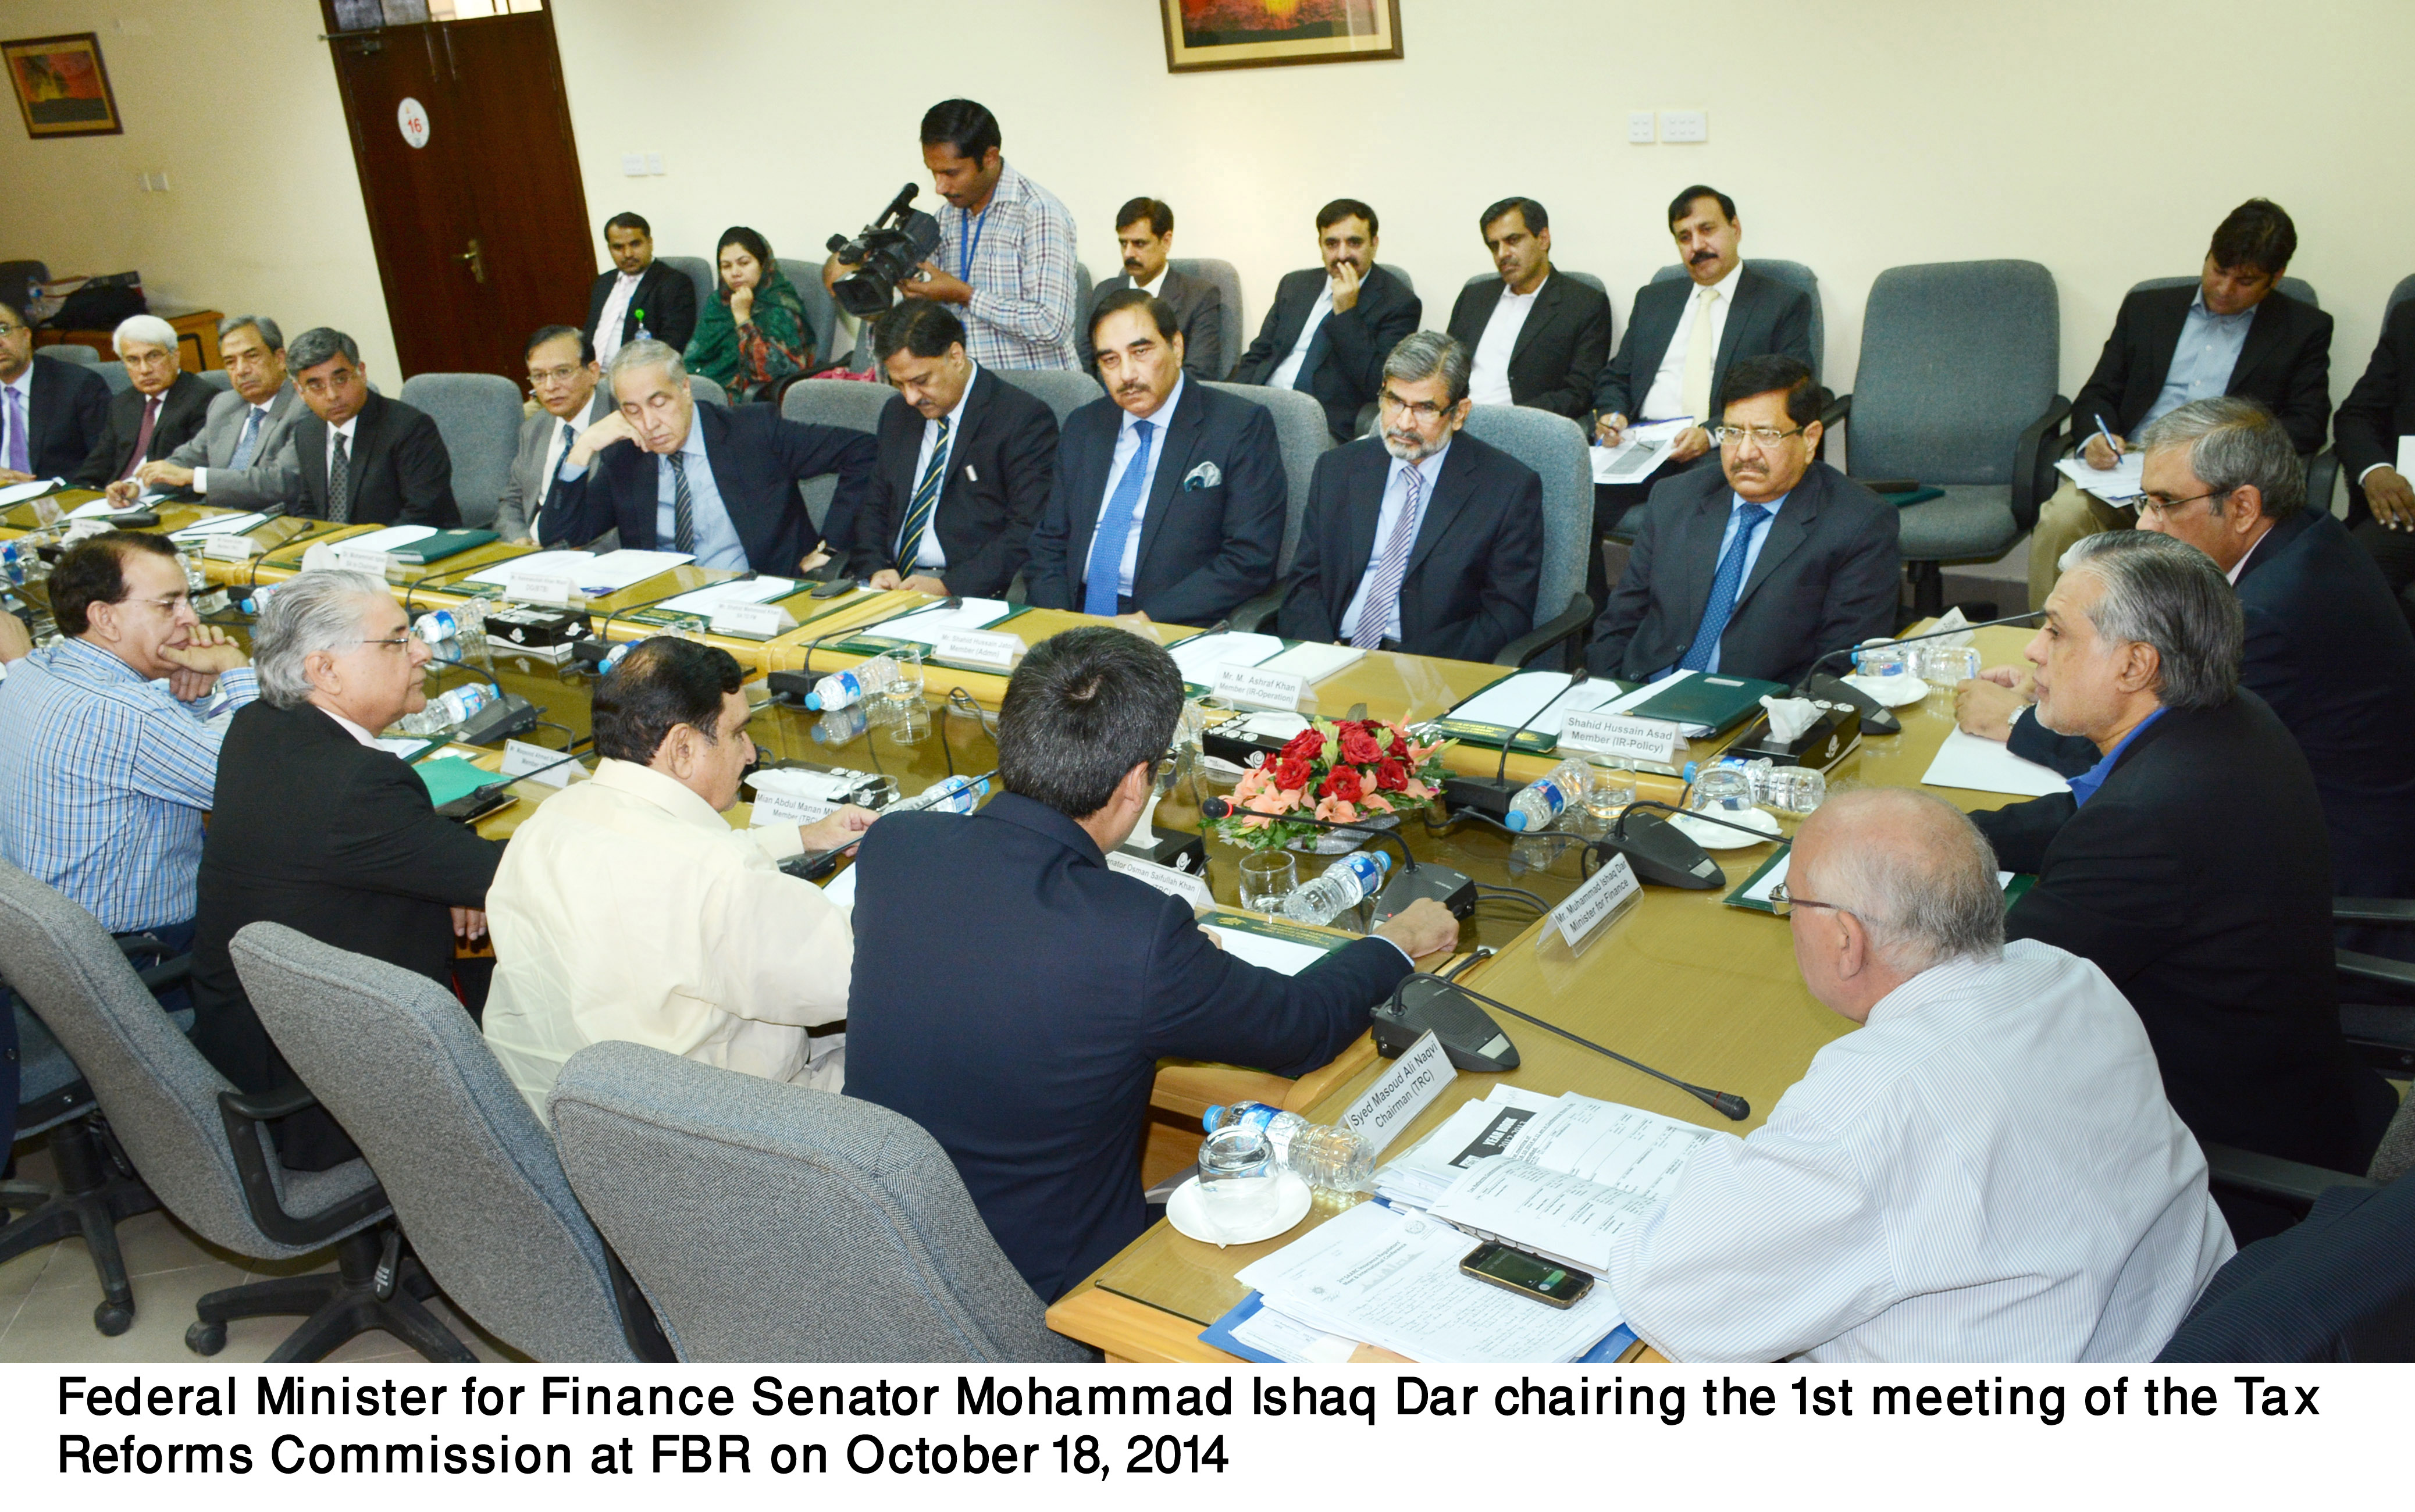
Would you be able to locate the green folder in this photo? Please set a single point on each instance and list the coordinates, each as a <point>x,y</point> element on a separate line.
<point>450,777</point>
<point>443,544</point>
<point>1707,700</point>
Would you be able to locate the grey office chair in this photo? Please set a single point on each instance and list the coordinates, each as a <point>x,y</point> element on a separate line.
<point>709,392</point>
<point>115,376</point>
<point>1084,286</point>
<point>478,415</point>
<point>1227,279</point>
<point>1400,273</point>
<point>1303,434</point>
<point>821,312</point>
<point>1956,390</point>
<point>217,378</point>
<point>473,1177</point>
<point>773,1222</point>
<point>73,351</point>
<point>1793,274</point>
<point>833,401</point>
<point>1062,389</point>
<point>1588,279</point>
<point>205,1150</point>
<point>701,275</point>
<point>1557,448</point>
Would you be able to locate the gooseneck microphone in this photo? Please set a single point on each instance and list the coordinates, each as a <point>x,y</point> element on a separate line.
<point>1492,795</point>
<point>1728,1103</point>
<point>1875,718</point>
<point>1576,680</point>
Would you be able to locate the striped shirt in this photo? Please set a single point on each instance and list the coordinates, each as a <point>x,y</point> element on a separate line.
<point>1987,1170</point>
<point>1021,267</point>
<point>104,777</point>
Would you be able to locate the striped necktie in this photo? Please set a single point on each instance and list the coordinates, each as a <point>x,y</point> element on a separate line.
<point>683,506</point>
<point>1726,583</point>
<point>1382,598</point>
<point>926,499</point>
<point>250,440</point>
<point>339,483</point>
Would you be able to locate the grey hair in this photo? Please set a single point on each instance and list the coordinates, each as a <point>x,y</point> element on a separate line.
<point>2164,593</point>
<point>2235,444</point>
<point>319,344</point>
<point>269,335</point>
<point>314,611</point>
<point>1925,899</point>
<point>1423,354</point>
<point>148,329</point>
<point>647,354</point>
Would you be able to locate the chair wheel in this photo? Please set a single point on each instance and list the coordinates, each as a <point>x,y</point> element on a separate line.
<point>205,1338</point>
<point>111,1319</point>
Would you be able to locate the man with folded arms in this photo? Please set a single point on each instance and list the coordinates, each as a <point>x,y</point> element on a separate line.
<point>627,909</point>
<point>1026,992</point>
<point>1985,1169</point>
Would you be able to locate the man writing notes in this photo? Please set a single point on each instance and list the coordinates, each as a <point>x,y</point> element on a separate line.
<point>1327,331</point>
<point>362,458</point>
<point>1144,237</point>
<point>2190,861</point>
<point>627,909</point>
<point>2230,332</point>
<point>641,298</point>
<point>1169,498</point>
<point>567,382</point>
<point>1758,568</point>
<point>1037,1085</point>
<point>718,483</point>
<point>1535,336</point>
<point>966,459</point>
<point>1984,1169</point>
<point>243,457</point>
<point>1420,539</point>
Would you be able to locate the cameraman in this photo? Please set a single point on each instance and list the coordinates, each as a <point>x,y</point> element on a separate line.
<point>1005,254</point>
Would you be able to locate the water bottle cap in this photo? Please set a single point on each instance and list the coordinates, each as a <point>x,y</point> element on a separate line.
<point>1382,860</point>
<point>1209,1120</point>
<point>1517,820</point>
<point>812,700</point>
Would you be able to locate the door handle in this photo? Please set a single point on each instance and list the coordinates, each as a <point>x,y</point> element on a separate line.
<point>477,262</point>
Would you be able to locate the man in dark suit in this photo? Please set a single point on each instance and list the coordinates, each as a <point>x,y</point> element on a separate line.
<point>1329,326</point>
<point>1145,235</point>
<point>243,456</point>
<point>362,458</point>
<point>1422,539</point>
<point>2190,863</point>
<point>315,827</point>
<point>717,482</point>
<point>1535,335</point>
<point>51,411</point>
<point>966,459</point>
<point>2379,410</point>
<point>1089,977</point>
<point>640,297</point>
<point>2231,333</point>
<point>1169,497</point>
<point>1761,567</point>
<point>162,410</point>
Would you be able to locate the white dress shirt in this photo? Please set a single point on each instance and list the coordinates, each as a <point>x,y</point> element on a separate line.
<point>1388,516</point>
<point>1488,378</point>
<point>201,474</point>
<point>24,386</point>
<point>2240,565</point>
<point>1286,375</point>
<point>1987,1170</point>
<point>931,554</point>
<point>344,431</point>
<point>1666,398</point>
<point>625,908</point>
<point>357,732</point>
<point>1154,290</point>
<point>616,315</point>
<point>1128,442</point>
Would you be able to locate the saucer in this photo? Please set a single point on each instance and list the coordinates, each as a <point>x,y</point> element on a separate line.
<point>1187,1212</point>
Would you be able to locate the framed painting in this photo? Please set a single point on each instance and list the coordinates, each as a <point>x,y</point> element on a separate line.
<point>62,88</point>
<point>1261,34</point>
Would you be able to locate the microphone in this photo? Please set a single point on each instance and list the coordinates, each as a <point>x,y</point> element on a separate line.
<point>1454,890</point>
<point>1492,795</point>
<point>1728,1104</point>
<point>1875,718</point>
<point>1662,853</point>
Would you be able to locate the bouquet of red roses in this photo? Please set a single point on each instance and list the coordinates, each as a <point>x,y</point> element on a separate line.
<point>1338,770</point>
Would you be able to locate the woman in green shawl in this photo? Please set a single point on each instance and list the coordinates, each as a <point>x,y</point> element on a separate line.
<point>751,333</point>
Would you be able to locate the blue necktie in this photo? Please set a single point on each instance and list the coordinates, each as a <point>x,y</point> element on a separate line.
<point>926,499</point>
<point>249,439</point>
<point>1114,525</point>
<point>1725,584</point>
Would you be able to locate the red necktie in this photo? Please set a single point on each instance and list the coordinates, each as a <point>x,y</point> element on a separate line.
<point>142,437</point>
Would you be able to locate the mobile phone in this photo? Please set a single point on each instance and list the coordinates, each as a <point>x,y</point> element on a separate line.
<point>1515,1270</point>
<point>833,588</point>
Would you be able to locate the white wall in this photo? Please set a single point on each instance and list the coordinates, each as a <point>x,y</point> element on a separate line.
<point>2103,140</point>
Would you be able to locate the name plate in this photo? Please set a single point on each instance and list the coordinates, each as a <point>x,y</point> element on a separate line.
<point>537,764</point>
<point>229,548</point>
<point>978,648</point>
<point>540,588</point>
<point>1401,1093</point>
<point>1590,906</point>
<point>1189,889</point>
<point>756,621</point>
<point>377,565</point>
<point>1623,735</point>
<point>790,808</point>
<point>1254,687</point>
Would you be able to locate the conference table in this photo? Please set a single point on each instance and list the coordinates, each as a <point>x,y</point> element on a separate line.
<point>1680,981</point>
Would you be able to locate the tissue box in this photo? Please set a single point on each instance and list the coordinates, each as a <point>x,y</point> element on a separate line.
<point>1829,741</point>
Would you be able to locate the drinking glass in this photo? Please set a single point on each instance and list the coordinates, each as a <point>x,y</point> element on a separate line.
<point>1611,790</point>
<point>1267,877</point>
<point>1236,1179</point>
<point>1946,666</point>
<point>1888,660</point>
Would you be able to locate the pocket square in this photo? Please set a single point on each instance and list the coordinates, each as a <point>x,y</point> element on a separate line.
<point>1206,475</point>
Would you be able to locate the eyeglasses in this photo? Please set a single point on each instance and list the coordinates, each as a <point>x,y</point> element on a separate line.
<point>2150,504</point>
<point>7,329</point>
<point>539,377</point>
<point>1764,437</point>
<point>1421,411</point>
<point>397,642</point>
<point>1783,902</point>
<point>170,604</point>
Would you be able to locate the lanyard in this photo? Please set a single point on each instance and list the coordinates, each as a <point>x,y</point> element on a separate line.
<point>965,259</point>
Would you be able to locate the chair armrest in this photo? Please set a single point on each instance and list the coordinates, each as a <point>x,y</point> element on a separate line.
<point>2322,479</point>
<point>2034,462</point>
<point>1249,617</point>
<point>1572,621</point>
<point>132,946</point>
<point>1839,410</point>
<point>2373,910</point>
<point>2380,968</point>
<point>166,974</point>
<point>2290,1183</point>
<point>242,1113</point>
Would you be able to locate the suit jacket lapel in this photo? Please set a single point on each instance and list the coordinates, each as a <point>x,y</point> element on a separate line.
<point>2263,335</point>
<point>1174,460</point>
<point>1362,516</point>
<point>1082,507</point>
<point>1662,317</point>
<point>1698,561</point>
<point>1452,491</point>
<point>1795,518</point>
<point>1546,299</point>
<point>1746,305</point>
<point>977,411</point>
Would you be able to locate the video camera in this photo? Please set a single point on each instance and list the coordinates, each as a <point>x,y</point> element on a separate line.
<point>885,254</point>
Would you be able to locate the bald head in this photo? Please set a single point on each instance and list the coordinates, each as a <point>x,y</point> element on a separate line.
<point>1908,883</point>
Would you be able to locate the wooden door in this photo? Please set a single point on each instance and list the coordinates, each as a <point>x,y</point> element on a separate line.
<point>475,203</point>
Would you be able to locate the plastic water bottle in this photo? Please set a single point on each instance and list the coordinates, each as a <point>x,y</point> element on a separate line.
<point>1325,1156</point>
<point>13,566</point>
<point>257,602</point>
<point>844,690</point>
<point>956,795</point>
<point>466,625</point>
<point>447,710</point>
<point>1321,900</point>
<point>436,626</point>
<point>1544,800</point>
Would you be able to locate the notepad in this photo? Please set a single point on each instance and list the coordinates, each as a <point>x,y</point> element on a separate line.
<point>393,538</point>
<point>1983,765</point>
<point>1200,656</point>
<point>737,591</point>
<point>450,777</point>
<point>925,624</point>
<point>17,493</point>
<point>2121,483</point>
<point>1313,661</point>
<point>218,525</point>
